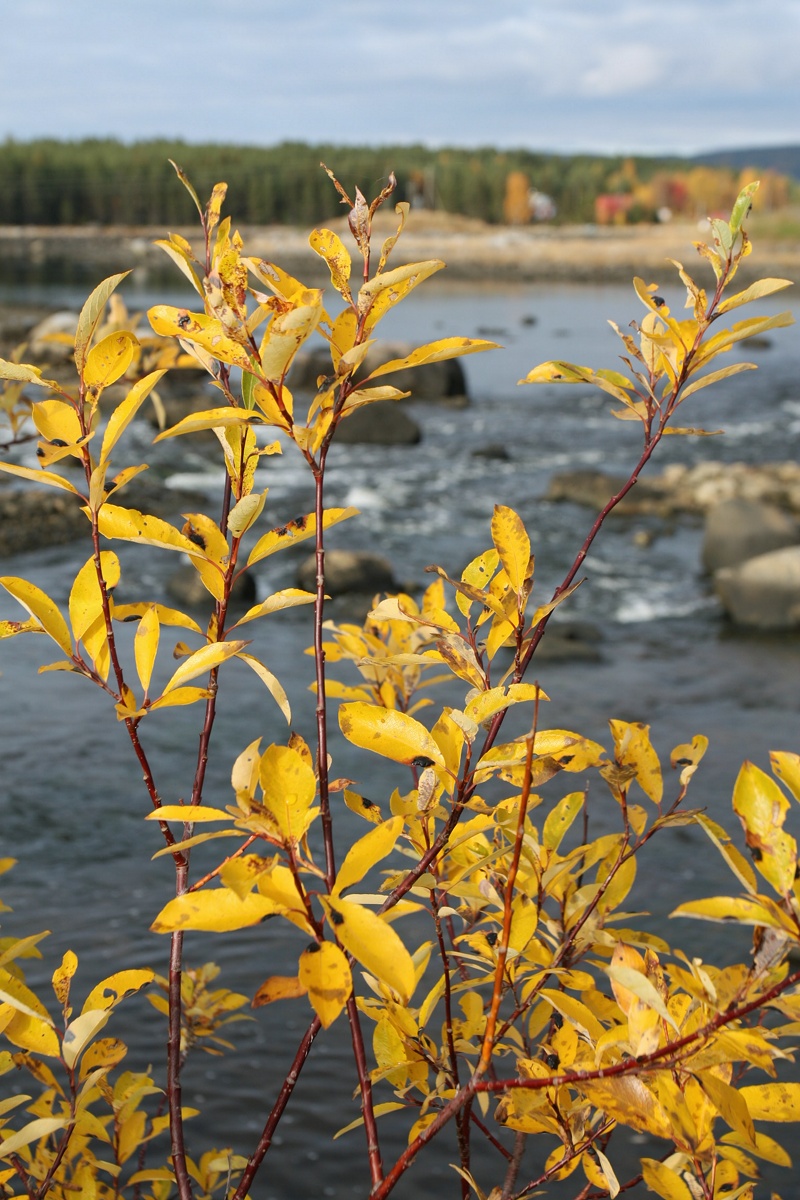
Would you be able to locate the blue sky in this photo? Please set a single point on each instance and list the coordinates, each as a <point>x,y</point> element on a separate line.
<point>565,75</point>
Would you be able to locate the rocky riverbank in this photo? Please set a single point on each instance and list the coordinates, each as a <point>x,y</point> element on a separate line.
<point>472,250</point>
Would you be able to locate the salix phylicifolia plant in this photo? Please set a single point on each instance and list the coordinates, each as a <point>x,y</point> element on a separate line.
<point>531,1009</point>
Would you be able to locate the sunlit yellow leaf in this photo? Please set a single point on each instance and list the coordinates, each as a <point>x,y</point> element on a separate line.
<point>786,765</point>
<point>271,683</point>
<point>279,987</point>
<point>32,1132</point>
<point>744,909</point>
<point>203,660</point>
<point>560,818</point>
<point>323,970</point>
<point>387,288</point>
<point>145,646</point>
<point>133,526</point>
<point>57,420</point>
<point>512,544</point>
<point>246,512</point>
<point>116,987</point>
<point>124,412</point>
<point>213,418</point>
<point>289,787</point>
<point>80,1032</point>
<point>287,332</point>
<point>33,1034</point>
<point>38,476</point>
<point>193,814</point>
<point>453,347</point>
<point>390,733</point>
<point>206,332</point>
<point>366,852</point>
<point>62,976</point>
<point>329,246</point>
<point>772,1101</point>
<point>296,531</point>
<point>633,749</point>
<point>761,807</point>
<point>756,291</point>
<point>286,598</point>
<point>179,697</point>
<point>373,943</point>
<point>662,1180</point>
<point>90,316</point>
<point>41,607</point>
<point>729,1103</point>
<point>217,910</point>
<point>109,360</point>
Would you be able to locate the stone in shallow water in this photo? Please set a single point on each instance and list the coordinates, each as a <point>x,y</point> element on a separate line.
<point>349,571</point>
<point>764,592</point>
<point>381,424</point>
<point>739,529</point>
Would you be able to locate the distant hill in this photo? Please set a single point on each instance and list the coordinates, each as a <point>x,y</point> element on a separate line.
<point>783,159</point>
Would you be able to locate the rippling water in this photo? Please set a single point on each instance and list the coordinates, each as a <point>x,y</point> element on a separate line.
<point>72,804</point>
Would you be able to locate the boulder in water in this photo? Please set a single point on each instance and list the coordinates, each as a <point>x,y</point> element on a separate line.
<point>349,571</point>
<point>764,592</point>
<point>739,529</point>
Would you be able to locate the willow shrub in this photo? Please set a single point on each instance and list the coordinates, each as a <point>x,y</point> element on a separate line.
<point>531,1009</point>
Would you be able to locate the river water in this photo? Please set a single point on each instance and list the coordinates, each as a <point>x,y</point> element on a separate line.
<point>72,802</point>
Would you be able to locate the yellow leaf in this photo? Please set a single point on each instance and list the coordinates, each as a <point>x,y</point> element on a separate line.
<point>379,294</point>
<point>757,910</point>
<point>85,599</point>
<point>124,413</point>
<point>513,545</point>
<point>246,512</point>
<point>62,976</point>
<point>203,660</point>
<point>330,247</point>
<point>373,943</point>
<point>629,1101</point>
<point>574,1011</point>
<point>145,646</point>
<point>133,526</point>
<point>729,1103</point>
<point>90,316</point>
<point>40,1128</point>
<point>286,598</point>
<point>41,607</point>
<point>763,287</point>
<point>714,377</point>
<point>33,1034</point>
<point>80,1032</point>
<point>761,807</point>
<point>189,814</point>
<point>390,733</point>
<point>57,420</point>
<point>453,347</point>
<point>109,360</point>
<point>280,885</point>
<point>287,332</point>
<point>278,987</point>
<point>296,531</point>
<point>289,787</point>
<point>786,766</point>
<point>37,476</point>
<point>204,331</point>
<point>324,972</point>
<point>363,807</point>
<point>559,820</point>
<point>664,1181</point>
<point>180,696</point>
<point>218,910</point>
<point>116,987</point>
<point>271,683</point>
<point>366,852</point>
<point>212,418</point>
<point>642,988</point>
<point>633,749</point>
<point>733,857</point>
<point>772,1101</point>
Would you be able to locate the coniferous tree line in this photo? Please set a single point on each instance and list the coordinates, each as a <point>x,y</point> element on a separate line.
<point>50,182</point>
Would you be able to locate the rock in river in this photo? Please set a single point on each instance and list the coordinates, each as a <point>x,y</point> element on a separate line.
<point>739,529</point>
<point>764,592</point>
<point>349,571</point>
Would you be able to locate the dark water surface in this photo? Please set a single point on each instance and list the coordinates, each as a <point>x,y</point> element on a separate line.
<point>72,802</point>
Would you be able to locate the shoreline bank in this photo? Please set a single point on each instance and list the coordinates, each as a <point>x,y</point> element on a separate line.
<point>472,250</point>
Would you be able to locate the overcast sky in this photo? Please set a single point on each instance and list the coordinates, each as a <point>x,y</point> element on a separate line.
<point>564,75</point>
